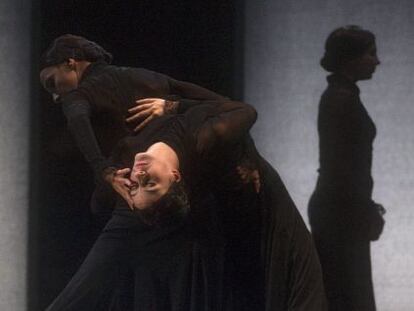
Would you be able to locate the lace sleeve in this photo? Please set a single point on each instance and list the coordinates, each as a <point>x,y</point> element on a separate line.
<point>77,112</point>
<point>214,123</point>
<point>192,91</point>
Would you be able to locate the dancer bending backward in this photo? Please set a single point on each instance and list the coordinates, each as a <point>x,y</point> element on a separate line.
<point>176,257</point>
<point>95,98</point>
<point>271,262</point>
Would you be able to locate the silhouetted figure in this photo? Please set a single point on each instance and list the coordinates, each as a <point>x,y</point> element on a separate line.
<point>343,217</point>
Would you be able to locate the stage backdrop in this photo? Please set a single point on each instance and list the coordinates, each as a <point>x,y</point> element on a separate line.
<point>15,76</point>
<point>282,45</point>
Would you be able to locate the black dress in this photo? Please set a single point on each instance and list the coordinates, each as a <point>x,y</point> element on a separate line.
<point>270,255</point>
<point>266,254</point>
<point>178,265</point>
<point>278,239</point>
<point>99,106</point>
<point>341,210</point>
<point>96,113</point>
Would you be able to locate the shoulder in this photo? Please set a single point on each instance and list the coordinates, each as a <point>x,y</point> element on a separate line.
<point>338,100</point>
<point>132,72</point>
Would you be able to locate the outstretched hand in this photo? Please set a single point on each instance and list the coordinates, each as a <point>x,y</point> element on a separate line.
<point>146,110</point>
<point>119,180</point>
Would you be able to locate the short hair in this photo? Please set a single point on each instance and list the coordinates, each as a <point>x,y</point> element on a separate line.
<point>345,44</point>
<point>76,47</point>
<point>171,207</point>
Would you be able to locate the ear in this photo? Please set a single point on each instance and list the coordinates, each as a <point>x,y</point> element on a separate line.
<point>177,175</point>
<point>71,63</point>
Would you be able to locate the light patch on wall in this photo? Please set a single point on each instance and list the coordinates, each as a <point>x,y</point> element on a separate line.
<point>283,43</point>
<point>15,74</point>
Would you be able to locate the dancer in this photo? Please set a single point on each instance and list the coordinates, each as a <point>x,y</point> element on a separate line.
<point>176,260</point>
<point>292,276</point>
<point>95,98</point>
<point>343,217</point>
<point>271,263</point>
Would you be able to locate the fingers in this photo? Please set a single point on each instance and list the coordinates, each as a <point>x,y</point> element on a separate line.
<point>127,182</point>
<point>123,189</point>
<point>127,197</point>
<point>248,176</point>
<point>257,185</point>
<point>139,115</point>
<point>123,171</point>
<point>139,107</point>
<point>129,201</point>
<point>120,177</point>
<point>243,174</point>
<point>122,184</point>
<point>122,181</point>
<point>146,100</point>
<point>256,180</point>
<point>144,123</point>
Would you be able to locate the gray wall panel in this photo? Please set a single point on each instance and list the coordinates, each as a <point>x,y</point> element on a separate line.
<point>283,43</point>
<point>14,150</point>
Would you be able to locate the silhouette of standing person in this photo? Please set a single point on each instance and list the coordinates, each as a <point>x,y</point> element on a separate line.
<point>343,217</point>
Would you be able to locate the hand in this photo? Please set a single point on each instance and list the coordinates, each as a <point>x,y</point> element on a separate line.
<point>120,182</point>
<point>248,175</point>
<point>146,110</point>
<point>377,222</point>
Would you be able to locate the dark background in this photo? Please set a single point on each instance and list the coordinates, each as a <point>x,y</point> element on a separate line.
<point>188,40</point>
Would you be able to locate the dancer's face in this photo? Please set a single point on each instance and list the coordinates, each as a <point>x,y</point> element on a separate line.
<point>364,66</point>
<point>152,175</point>
<point>60,79</point>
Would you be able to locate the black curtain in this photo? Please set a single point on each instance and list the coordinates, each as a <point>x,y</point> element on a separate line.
<point>188,40</point>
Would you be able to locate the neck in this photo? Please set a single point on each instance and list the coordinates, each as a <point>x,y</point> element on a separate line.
<point>81,67</point>
<point>348,75</point>
<point>164,151</point>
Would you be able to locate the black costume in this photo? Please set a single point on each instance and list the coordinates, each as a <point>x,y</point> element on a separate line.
<point>264,230</point>
<point>278,250</point>
<point>177,265</point>
<point>341,211</point>
<point>99,106</point>
<point>269,260</point>
<point>96,113</point>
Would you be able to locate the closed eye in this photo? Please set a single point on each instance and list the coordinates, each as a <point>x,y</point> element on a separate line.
<point>151,184</point>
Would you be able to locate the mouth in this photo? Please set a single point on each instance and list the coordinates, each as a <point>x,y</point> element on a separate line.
<point>141,165</point>
<point>142,161</point>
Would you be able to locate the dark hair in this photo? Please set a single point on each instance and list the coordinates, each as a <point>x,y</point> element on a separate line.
<point>76,47</point>
<point>172,206</point>
<point>345,44</point>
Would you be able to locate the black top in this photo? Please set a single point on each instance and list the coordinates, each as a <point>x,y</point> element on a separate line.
<point>346,134</point>
<point>269,253</point>
<point>199,137</point>
<point>97,109</point>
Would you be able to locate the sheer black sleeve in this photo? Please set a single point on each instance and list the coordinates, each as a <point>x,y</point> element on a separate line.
<point>192,91</point>
<point>214,123</point>
<point>77,112</point>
